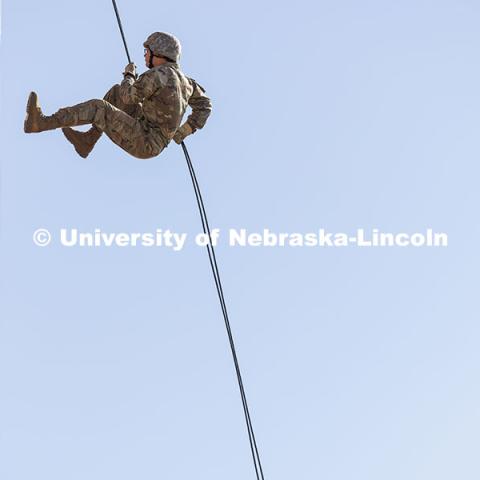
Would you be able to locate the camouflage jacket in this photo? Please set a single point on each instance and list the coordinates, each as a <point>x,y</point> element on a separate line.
<point>164,93</point>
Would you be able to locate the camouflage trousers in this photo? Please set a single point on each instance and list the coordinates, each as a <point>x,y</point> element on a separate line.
<point>123,123</point>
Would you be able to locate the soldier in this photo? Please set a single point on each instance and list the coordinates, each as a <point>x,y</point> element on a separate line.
<point>142,114</point>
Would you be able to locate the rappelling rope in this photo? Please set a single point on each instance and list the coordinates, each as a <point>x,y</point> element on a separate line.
<point>121,29</point>
<point>218,284</point>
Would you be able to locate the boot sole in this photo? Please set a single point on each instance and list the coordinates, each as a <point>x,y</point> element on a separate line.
<point>32,106</point>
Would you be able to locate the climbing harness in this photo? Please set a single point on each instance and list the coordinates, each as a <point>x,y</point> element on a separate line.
<point>218,285</point>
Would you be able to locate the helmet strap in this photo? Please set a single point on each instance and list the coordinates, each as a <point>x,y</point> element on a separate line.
<point>150,63</point>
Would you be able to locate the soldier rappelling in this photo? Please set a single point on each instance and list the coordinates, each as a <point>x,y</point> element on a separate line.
<point>142,114</point>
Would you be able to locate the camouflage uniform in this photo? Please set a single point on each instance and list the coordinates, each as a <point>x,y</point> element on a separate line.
<point>142,115</point>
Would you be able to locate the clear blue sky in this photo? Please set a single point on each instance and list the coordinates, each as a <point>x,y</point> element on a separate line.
<point>359,364</point>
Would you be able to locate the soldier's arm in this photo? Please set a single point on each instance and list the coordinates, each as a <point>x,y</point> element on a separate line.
<point>201,107</point>
<point>137,90</point>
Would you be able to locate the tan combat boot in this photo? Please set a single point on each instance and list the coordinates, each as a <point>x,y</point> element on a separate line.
<point>36,121</point>
<point>82,141</point>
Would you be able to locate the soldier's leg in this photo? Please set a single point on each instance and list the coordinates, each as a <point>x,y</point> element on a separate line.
<point>84,142</point>
<point>113,96</point>
<point>91,112</point>
<point>122,127</point>
<point>129,134</point>
<point>126,131</point>
<point>81,114</point>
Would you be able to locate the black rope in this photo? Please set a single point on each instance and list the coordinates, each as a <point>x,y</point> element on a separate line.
<point>218,284</point>
<point>121,30</point>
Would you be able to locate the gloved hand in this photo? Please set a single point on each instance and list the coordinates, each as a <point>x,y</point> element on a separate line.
<point>182,133</point>
<point>130,70</point>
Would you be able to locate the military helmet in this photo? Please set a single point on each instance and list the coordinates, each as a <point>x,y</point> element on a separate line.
<point>164,44</point>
